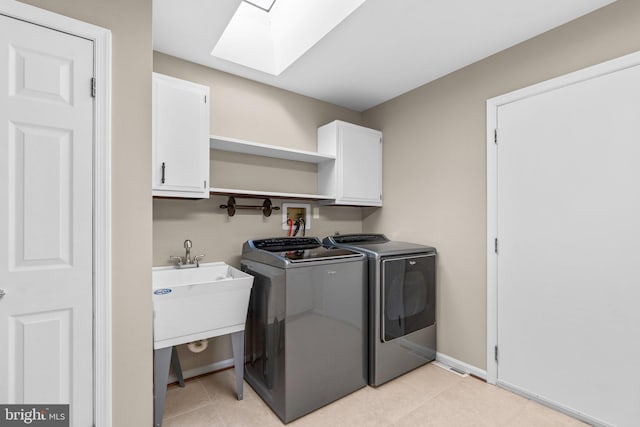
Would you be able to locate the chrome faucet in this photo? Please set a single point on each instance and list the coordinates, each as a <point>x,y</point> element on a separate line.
<point>187,261</point>
<point>187,248</point>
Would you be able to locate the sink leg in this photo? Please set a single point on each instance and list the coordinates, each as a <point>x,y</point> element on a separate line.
<point>177,368</point>
<point>161,362</point>
<point>237,342</point>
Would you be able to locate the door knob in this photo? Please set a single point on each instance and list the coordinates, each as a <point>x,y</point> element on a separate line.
<point>2,293</point>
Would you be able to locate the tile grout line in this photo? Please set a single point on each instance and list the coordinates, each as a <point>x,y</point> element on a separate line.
<point>209,401</point>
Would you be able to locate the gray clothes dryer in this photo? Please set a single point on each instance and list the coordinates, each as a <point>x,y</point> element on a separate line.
<point>305,337</point>
<point>402,303</point>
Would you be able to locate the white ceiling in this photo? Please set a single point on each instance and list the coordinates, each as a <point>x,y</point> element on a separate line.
<point>382,50</point>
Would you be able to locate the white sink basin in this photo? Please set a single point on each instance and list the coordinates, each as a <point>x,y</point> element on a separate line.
<point>190,304</point>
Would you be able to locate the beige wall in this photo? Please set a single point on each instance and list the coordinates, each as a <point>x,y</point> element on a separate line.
<point>253,111</point>
<point>130,24</point>
<point>248,110</point>
<point>434,171</point>
<point>435,160</point>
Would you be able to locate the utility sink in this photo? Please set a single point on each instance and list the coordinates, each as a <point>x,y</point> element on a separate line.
<point>190,304</point>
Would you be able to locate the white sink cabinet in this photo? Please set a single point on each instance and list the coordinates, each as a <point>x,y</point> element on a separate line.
<point>191,304</point>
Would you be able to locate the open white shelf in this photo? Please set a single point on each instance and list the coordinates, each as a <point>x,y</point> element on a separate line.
<point>246,147</point>
<point>270,194</point>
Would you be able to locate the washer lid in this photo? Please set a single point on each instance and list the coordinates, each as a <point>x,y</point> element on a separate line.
<point>358,239</point>
<point>291,251</point>
<point>318,254</point>
<point>375,245</point>
<point>278,244</point>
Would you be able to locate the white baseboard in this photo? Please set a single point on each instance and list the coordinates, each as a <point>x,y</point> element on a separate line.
<point>461,366</point>
<point>201,370</point>
<point>554,405</point>
<point>228,363</point>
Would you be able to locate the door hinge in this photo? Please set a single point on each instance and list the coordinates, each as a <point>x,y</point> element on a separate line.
<point>495,353</point>
<point>205,99</point>
<point>495,136</point>
<point>205,183</point>
<point>495,245</point>
<point>93,87</point>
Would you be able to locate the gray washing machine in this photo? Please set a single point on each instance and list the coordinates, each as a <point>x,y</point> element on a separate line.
<point>402,303</point>
<point>306,334</point>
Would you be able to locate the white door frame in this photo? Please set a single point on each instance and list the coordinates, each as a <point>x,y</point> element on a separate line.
<point>101,39</point>
<point>493,132</point>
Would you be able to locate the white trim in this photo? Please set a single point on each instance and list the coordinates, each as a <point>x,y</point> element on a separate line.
<point>492,233</point>
<point>101,38</point>
<point>493,104</point>
<point>554,405</point>
<point>461,366</point>
<point>201,370</point>
<point>612,66</point>
<point>102,233</point>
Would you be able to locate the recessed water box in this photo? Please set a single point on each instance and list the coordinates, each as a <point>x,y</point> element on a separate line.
<point>296,212</point>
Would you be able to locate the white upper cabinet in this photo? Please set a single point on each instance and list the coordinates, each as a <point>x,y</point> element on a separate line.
<point>180,138</point>
<point>355,178</point>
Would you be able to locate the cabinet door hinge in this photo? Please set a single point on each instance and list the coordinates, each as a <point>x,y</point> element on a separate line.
<point>93,87</point>
<point>495,136</point>
<point>495,245</point>
<point>495,353</point>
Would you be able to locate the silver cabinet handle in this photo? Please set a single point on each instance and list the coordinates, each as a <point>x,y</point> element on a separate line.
<point>2,293</point>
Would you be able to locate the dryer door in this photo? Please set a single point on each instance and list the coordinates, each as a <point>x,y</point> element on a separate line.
<point>408,295</point>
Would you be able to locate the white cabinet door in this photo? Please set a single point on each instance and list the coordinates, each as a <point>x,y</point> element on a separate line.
<point>355,178</point>
<point>180,138</point>
<point>46,250</point>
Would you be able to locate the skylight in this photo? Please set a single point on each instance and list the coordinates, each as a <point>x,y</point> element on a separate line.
<point>270,35</point>
<point>265,5</point>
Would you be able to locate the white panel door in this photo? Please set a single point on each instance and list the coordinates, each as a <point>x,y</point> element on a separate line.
<point>46,157</point>
<point>569,247</point>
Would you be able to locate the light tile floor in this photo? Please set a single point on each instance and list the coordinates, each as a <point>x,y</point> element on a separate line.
<point>427,396</point>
